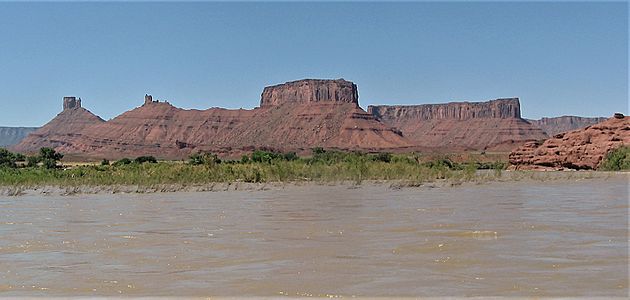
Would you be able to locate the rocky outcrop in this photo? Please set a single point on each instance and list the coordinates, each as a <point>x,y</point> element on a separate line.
<point>309,91</point>
<point>12,135</point>
<point>553,126</point>
<point>579,149</point>
<point>71,103</point>
<point>62,130</point>
<point>456,126</point>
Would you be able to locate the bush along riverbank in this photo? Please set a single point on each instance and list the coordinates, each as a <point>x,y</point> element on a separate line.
<point>258,167</point>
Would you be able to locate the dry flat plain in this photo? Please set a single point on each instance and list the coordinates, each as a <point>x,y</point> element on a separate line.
<point>530,238</point>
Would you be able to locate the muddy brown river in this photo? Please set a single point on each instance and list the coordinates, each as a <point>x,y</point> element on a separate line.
<point>556,238</point>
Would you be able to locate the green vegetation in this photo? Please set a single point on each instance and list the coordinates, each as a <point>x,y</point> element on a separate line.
<point>260,166</point>
<point>47,158</point>
<point>145,159</point>
<point>617,160</point>
<point>8,159</point>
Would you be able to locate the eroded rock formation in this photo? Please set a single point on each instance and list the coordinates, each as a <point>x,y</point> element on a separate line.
<point>553,126</point>
<point>71,103</point>
<point>579,149</point>
<point>456,126</point>
<point>310,91</point>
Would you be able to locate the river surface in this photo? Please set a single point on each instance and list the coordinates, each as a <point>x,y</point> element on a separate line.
<point>556,238</point>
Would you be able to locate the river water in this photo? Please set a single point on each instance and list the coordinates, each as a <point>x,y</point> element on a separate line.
<point>556,238</point>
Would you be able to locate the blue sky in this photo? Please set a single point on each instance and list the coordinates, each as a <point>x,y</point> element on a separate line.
<point>559,58</point>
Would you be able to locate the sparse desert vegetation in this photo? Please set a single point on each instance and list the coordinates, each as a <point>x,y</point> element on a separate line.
<point>259,166</point>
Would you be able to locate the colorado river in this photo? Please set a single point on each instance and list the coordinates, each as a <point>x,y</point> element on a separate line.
<point>556,238</point>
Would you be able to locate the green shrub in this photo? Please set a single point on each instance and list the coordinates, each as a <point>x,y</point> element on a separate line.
<point>122,162</point>
<point>383,156</point>
<point>440,163</point>
<point>7,159</point>
<point>19,157</point>
<point>204,158</point>
<point>105,162</point>
<point>145,159</point>
<point>318,150</point>
<point>470,170</point>
<point>49,157</point>
<point>260,156</point>
<point>32,161</point>
<point>329,157</point>
<point>617,160</point>
<point>290,156</point>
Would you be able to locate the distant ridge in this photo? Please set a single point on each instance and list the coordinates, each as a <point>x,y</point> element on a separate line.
<point>460,126</point>
<point>13,135</point>
<point>553,126</point>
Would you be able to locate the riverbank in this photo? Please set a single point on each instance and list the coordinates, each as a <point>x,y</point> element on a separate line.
<point>480,177</point>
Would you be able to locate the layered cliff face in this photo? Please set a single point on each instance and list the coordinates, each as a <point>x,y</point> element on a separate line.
<point>299,127</point>
<point>309,91</point>
<point>62,130</point>
<point>293,117</point>
<point>493,109</point>
<point>553,126</point>
<point>579,149</point>
<point>13,135</point>
<point>492,125</point>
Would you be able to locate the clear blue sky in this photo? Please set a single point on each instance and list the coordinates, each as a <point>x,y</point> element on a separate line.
<point>559,58</point>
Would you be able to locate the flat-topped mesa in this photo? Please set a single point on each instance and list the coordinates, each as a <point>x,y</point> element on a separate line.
<point>71,103</point>
<point>310,91</point>
<point>500,108</point>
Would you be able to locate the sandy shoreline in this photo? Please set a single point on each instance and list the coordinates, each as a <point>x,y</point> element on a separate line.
<point>482,177</point>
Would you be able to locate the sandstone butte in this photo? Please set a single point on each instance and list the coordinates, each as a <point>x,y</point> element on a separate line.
<point>579,149</point>
<point>494,125</point>
<point>295,116</point>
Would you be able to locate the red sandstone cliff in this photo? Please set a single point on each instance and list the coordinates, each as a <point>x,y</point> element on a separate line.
<point>579,149</point>
<point>553,126</point>
<point>294,116</point>
<point>310,91</point>
<point>456,126</point>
